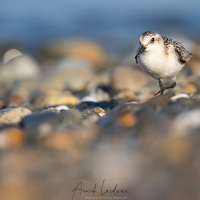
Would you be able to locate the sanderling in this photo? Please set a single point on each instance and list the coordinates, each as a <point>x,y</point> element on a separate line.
<point>161,58</point>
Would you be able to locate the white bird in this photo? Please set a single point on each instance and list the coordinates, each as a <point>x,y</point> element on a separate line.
<point>161,58</point>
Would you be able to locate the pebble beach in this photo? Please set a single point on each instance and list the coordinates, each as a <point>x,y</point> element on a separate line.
<point>80,114</point>
<point>78,117</point>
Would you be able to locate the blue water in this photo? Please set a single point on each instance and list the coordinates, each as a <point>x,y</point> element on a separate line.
<point>34,22</point>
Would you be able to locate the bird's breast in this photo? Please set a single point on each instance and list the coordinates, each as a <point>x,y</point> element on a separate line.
<point>160,65</point>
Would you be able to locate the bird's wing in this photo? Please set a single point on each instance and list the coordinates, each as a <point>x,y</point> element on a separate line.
<point>182,54</point>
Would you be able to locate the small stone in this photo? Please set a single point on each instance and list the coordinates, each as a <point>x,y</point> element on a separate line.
<point>11,138</point>
<point>13,115</point>
<point>56,109</point>
<point>71,118</point>
<point>179,96</point>
<point>31,122</point>
<point>90,113</point>
<point>10,54</point>
<point>159,102</point>
<point>49,110</point>
<point>15,100</point>
<point>61,107</point>
<point>125,95</point>
<point>60,141</point>
<point>188,120</point>
<point>73,74</point>
<point>127,119</point>
<point>53,98</point>
<point>102,104</point>
<point>190,89</point>
<point>127,78</point>
<point>86,50</point>
<point>88,98</point>
<point>100,111</point>
<point>96,95</point>
<point>20,68</point>
<point>66,118</point>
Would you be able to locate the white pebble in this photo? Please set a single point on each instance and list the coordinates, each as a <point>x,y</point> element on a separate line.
<point>88,98</point>
<point>179,96</point>
<point>61,107</point>
<point>188,120</point>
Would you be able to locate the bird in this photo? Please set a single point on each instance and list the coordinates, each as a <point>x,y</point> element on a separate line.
<point>161,58</point>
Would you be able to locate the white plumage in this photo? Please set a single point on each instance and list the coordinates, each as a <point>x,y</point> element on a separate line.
<point>161,57</point>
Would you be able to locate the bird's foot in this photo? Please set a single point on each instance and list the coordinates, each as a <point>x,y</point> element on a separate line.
<point>160,92</point>
<point>162,89</point>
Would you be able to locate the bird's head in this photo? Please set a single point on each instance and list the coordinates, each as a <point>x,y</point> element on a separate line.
<point>149,41</point>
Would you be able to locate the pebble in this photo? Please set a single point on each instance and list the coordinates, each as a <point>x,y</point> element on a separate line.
<point>83,116</point>
<point>86,50</point>
<point>10,54</point>
<point>31,122</point>
<point>179,96</point>
<point>96,95</point>
<point>54,98</point>
<point>12,138</point>
<point>73,74</point>
<point>13,115</point>
<point>125,95</point>
<point>67,118</point>
<point>188,120</point>
<point>127,78</point>
<point>127,120</point>
<point>21,67</point>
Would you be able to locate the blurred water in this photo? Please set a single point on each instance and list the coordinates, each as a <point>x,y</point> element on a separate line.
<point>33,22</point>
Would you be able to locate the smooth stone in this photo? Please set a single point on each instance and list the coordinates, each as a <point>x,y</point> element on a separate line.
<point>10,54</point>
<point>96,95</point>
<point>179,96</point>
<point>190,88</point>
<point>73,74</point>
<point>31,122</point>
<point>187,120</point>
<point>60,141</point>
<point>90,117</point>
<point>72,117</point>
<point>56,109</point>
<point>102,104</point>
<point>100,111</point>
<point>54,98</point>
<point>121,115</point>
<point>90,113</point>
<point>12,138</point>
<point>125,95</point>
<point>86,50</point>
<point>128,78</point>
<point>159,102</point>
<point>127,119</point>
<point>19,68</point>
<point>49,110</point>
<point>62,107</point>
<point>88,98</point>
<point>13,115</point>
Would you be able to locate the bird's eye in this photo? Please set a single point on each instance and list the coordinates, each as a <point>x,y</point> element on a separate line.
<point>152,40</point>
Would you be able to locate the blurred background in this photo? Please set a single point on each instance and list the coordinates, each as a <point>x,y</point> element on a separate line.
<point>115,22</point>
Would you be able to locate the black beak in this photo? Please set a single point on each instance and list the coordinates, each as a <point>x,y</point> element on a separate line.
<point>140,51</point>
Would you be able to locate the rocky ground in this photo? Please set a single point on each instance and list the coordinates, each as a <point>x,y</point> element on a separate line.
<point>83,114</point>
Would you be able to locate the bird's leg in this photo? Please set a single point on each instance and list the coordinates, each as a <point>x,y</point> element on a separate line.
<point>160,84</point>
<point>162,89</point>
